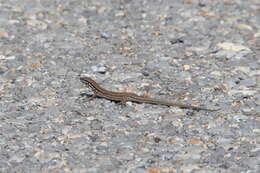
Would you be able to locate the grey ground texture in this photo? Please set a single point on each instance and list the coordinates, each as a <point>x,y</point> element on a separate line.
<point>200,52</point>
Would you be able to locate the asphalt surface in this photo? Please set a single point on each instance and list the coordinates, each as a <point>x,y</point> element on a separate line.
<point>205,53</point>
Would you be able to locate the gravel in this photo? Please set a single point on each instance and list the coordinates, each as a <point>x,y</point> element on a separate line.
<point>196,52</point>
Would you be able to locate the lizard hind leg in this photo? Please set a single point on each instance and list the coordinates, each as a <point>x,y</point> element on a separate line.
<point>123,102</point>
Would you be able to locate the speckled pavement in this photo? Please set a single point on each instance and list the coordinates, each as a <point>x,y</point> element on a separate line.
<point>199,52</point>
